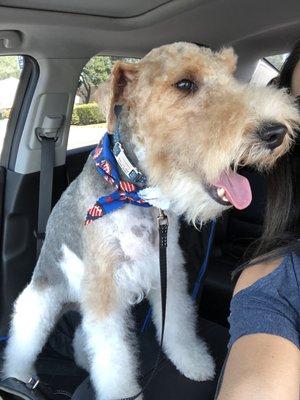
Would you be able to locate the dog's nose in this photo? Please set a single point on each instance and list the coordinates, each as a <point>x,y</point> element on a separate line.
<point>272,134</point>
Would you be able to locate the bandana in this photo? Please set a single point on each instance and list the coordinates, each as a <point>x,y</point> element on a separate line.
<point>125,193</point>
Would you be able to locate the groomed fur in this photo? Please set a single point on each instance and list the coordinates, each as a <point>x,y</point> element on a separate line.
<point>182,142</point>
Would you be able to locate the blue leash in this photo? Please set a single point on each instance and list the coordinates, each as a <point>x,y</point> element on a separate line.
<point>203,267</point>
<point>3,338</point>
<point>201,273</point>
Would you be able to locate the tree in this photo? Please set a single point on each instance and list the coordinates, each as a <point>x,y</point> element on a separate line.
<point>9,67</point>
<point>96,71</point>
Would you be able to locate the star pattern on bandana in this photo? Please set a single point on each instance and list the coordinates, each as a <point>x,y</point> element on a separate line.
<point>125,192</point>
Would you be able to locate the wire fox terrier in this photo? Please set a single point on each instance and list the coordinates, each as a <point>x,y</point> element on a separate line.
<point>187,125</point>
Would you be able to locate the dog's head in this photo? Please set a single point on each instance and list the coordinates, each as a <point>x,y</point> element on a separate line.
<point>193,124</point>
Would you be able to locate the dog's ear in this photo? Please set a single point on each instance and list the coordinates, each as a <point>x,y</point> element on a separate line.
<point>229,58</point>
<point>121,82</point>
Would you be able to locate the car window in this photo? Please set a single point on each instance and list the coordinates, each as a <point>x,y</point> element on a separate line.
<point>10,72</point>
<point>88,118</point>
<point>267,69</point>
<point>277,60</point>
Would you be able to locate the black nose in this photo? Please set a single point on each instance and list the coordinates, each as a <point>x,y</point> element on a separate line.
<point>272,134</point>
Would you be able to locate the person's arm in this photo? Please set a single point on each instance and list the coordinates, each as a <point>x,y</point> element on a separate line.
<point>261,366</point>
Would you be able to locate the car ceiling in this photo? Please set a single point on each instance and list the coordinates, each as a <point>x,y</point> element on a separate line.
<point>81,29</point>
<point>104,8</point>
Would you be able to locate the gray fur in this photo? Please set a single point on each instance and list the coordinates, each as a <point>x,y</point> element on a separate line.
<point>66,224</point>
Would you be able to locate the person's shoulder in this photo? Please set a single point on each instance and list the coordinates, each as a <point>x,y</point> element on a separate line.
<point>255,272</point>
<point>295,261</point>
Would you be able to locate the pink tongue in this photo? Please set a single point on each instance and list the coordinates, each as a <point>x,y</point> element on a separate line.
<point>237,189</point>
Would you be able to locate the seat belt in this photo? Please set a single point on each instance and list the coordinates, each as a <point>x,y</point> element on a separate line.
<point>48,136</point>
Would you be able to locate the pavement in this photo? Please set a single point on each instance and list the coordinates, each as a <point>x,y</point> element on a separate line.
<point>79,136</point>
<point>3,123</point>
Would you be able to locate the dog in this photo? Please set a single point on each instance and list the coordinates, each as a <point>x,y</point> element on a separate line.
<point>186,125</point>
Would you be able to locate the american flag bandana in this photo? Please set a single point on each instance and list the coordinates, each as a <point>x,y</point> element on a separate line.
<point>125,193</point>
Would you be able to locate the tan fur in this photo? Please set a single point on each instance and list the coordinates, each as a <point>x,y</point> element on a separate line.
<point>182,141</point>
<point>204,132</point>
<point>188,138</point>
<point>99,288</point>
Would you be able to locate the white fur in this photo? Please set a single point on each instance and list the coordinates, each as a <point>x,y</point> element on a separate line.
<point>104,343</point>
<point>103,346</point>
<point>35,314</point>
<point>137,277</point>
<point>154,197</point>
<point>73,268</point>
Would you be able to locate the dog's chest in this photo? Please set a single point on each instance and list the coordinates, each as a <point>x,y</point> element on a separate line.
<point>136,231</point>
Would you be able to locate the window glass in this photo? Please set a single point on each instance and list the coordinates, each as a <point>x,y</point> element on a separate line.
<point>88,122</point>
<point>10,71</point>
<point>267,69</point>
<point>264,73</point>
<point>277,60</point>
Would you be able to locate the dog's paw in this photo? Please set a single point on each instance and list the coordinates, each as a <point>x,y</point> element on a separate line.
<point>194,362</point>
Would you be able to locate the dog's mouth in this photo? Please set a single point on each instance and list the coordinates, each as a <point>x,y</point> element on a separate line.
<point>231,189</point>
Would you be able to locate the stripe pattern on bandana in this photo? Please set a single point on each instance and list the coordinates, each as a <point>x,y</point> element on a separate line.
<point>125,193</point>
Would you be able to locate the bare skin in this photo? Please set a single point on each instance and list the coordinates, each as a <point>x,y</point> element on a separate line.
<point>295,87</point>
<point>262,366</point>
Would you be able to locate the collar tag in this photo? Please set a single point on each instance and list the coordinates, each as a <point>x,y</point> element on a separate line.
<point>129,170</point>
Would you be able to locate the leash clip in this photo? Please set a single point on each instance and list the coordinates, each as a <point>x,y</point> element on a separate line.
<point>163,225</point>
<point>162,219</point>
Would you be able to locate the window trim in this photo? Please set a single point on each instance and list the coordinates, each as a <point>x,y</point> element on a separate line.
<point>270,64</point>
<point>23,97</point>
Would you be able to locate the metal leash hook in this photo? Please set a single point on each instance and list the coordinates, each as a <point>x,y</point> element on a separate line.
<point>162,220</point>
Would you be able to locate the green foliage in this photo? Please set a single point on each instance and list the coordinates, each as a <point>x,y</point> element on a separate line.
<point>9,67</point>
<point>75,117</point>
<point>4,114</point>
<point>87,114</point>
<point>96,71</point>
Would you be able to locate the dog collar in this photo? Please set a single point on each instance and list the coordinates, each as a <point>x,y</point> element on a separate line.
<point>131,172</point>
<point>125,192</point>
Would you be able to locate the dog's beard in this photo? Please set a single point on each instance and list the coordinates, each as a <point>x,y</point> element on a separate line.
<point>188,198</point>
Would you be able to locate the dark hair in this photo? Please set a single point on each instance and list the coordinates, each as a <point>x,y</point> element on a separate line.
<point>281,229</point>
<point>286,73</point>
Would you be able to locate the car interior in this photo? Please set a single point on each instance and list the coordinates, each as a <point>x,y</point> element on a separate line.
<point>56,39</point>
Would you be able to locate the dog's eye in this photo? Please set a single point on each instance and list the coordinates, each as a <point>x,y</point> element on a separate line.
<point>186,85</point>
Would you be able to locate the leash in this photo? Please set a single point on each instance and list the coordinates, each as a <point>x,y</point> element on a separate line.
<point>163,225</point>
<point>201,273</point>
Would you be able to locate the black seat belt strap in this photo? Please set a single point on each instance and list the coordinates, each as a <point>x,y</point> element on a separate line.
<point>45,188</point>
<point>47,135</point>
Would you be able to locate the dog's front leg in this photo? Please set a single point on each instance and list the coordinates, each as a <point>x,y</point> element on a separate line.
<point>181,344</point>
<point>105,324</point>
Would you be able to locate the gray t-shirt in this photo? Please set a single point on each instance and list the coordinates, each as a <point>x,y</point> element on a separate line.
<point>270,305</point>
